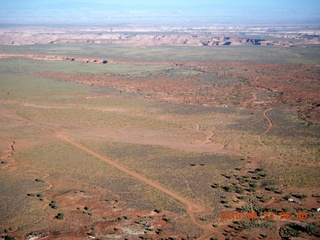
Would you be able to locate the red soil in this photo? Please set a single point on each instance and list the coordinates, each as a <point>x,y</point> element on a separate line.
<point>242,85</point>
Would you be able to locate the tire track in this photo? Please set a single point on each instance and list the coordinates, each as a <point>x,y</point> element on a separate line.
<point>209,138</point>
<point>269,120</point>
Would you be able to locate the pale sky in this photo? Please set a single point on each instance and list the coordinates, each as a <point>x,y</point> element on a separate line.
<point>100,12</point>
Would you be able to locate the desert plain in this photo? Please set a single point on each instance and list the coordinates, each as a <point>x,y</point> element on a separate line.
<point>160,133</point>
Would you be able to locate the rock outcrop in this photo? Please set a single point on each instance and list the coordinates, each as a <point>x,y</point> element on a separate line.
<point>21,36</point>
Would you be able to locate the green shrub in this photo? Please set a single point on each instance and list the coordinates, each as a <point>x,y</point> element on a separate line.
<point>53,205</point>
<point>158,211</point>
<point>39,180</point>
<point>60,216</point>
<point>215,185</point>
<point>159,231</point>
<point>239,190</point>
<point>278,191</point>
<point>228,188</point>
<point>271,189</point>
<point>254,185</point>
<point>9,238</point>
<point>258,170</point>
<point>311,229</point>
<point>291,231</point>
<point>246,208</point>
<point>259,210</point>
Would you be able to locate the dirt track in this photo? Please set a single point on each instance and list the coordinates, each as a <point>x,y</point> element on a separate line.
<point>269,120</point>
<point>192,207</point>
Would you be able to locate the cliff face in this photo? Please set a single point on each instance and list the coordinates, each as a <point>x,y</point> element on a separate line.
<point>132,39</point>
<point>52,36</point>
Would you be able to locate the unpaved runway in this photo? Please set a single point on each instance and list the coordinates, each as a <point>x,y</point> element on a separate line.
<point>192,207</point>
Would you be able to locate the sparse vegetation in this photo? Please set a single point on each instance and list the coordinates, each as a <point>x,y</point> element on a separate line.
<point>300,196</point>
<point>311,229</point>
<point>177,143</point>
<point>291,230</point>
<point>40,196</point>
<point>159,231</point>
<point>215,185</point>
<point>9,238</point>
<point>239,190</point>
<point>257,223</point>
<point>228,188</point>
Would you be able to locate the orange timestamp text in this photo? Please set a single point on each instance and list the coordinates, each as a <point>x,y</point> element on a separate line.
<point>254,215</point>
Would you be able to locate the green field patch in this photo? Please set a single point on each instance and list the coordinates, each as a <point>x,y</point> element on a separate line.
<point>27,87</point>
<point>287,124</point>
<point>155,54</point>
<point>188,109</point>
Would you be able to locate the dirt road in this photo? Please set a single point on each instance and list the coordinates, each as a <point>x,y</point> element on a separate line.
<point>192,208</point>
<point>269,120</point>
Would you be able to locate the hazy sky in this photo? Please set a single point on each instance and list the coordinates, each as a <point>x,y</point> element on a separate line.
<point>103,12</point>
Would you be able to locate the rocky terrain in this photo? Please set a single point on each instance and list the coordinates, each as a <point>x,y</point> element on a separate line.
<point>161,36</point>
